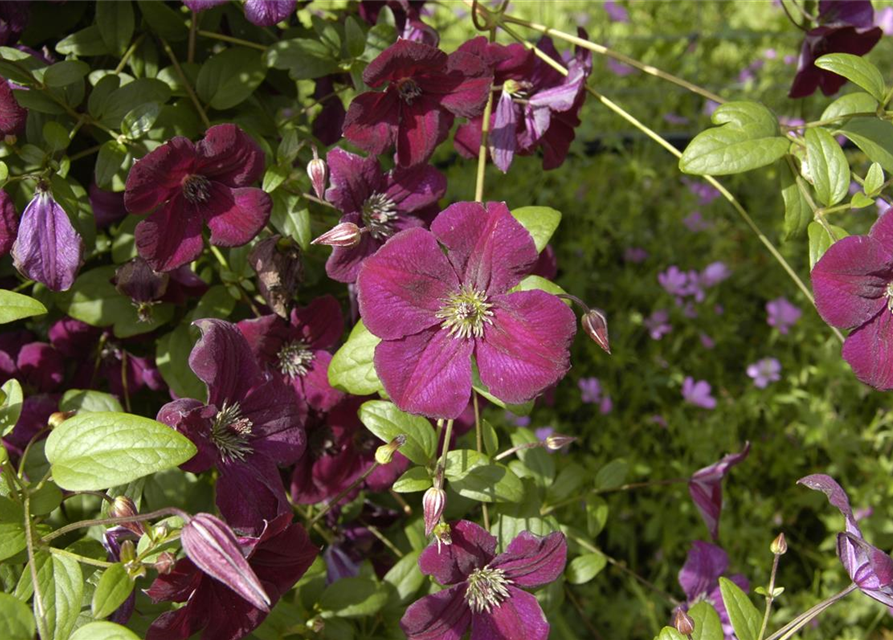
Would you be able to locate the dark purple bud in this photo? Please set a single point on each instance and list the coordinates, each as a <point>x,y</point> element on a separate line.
<point>277,262</point>
<point>319,173</point>
<point>433,504</point>
<point>779,546</point>
<point>9,223</point>
<point>683,622</point>
<point>58,417</point>
<point>213,548</point>
<point>344,235</point>
<point>48,249</point>
<point>596,325</point>
<point>123,507</point>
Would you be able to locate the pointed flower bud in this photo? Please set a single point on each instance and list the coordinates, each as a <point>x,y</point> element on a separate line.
<point>319,173</point>
<point>214,549</point>
<point>139,282</point>
<point>385,453</point>
<point>344,235</point>
<point>779,546</point>
<point>123,507</point>
<point>557,441</point>
<point>596,325</point>
<point>47,248</point>
<point>128,551</point>
<point>683,622</point>
<point>58,417</point>
<point>433,504</point>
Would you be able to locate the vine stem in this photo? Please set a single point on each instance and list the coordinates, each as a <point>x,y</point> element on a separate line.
<point>130,51</point>
<point>39,611</point>
<point>80,558</point>
<point>479,442</point>
<point>804,618</point>
<point>74,526</point>
<point>770,597</point>
<point>186,85</point>
<point>742,213</point>
<point>232,40</point>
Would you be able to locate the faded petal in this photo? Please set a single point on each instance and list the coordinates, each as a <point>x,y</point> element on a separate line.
<point>490,250</point>
<point>705,488</point>
<point>171,236</point>
<point>223,360</point>
<point>532,561</point>
<point>440,616</point>
<point>472,548</point>
<point>503,137</point>
<point>704,565</point>
<point>526,349</point>
<point>869,351</point>
<point>266,13</point>
<point>47,248</point>
<point>518,616</point>
<point>848,552</point>
<point>371,121</point>
<point>158,175</point>
<point>428,373</point>
<point>402,287</point>
<point>238,215</point>
<point>229,155</point>
<point>354,179</point>
<point>423,125</point>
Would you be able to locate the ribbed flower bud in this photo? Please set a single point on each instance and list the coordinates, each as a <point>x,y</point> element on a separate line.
<point>123,507</point>
<point>557,441</point>
<point>779,546</point>
<point>683,622</point>
<point>596,325</point>
<point>385,453</point>
<point>319,173</point>
<point>433,504</point>
<point>344,235</point>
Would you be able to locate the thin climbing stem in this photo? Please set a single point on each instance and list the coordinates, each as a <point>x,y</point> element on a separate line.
<point>107,522</point>
<point>130,51</point>
<point>804,618</point>
<point>231,40</point>
<point>769,596</point>
<point>80,558</point>
<point>189,90</point>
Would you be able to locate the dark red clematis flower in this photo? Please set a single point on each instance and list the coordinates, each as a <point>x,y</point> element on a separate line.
<point>186,185</point>
<point>845,26</point>
<point>380,204</point>
<point>36,365</point>
<point>249,426</point>
<point>12,114</point>
<point>426,89</point>
<point>279,556</point>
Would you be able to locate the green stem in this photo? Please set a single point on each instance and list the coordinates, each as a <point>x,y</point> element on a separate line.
<point>189,90</point>
<point>479,443</point>
<point>834,120</point>
<point>770,596</point>
<point>80,558</point>
<point>232,40</point>
<point>80,524</point>
<point>441,466</point>
<point>485,137</point>
<point>219,255</point>
<point>804,618</point>
<point>130,51</point>
<point>39,611</point>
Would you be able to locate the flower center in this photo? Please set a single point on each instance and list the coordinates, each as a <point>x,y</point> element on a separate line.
<point>889,295</point>
<point>230,432</point>
<point>196,189</point>
<point>322,442</point>
<point>295,359</point>
<point>465,312</point>
<point>379,215</point>
<point>487,588</point>
<point>408,89</point>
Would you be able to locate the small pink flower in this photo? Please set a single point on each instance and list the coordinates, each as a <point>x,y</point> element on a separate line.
<point>698,393</point>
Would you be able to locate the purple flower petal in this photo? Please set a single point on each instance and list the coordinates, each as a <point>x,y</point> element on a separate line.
<point>467,86</point>
<point>705,488</point>
<point>503,137</point>
<point>704,565</point>
<point>190,417</point>
<point>472,548</point>
<point>250,493</point>
<point>9,223</point>
<point>371,121</point>
<point>423,126</point>
<point>266,13</point>
<point>12,115</point>
<point>157,176</point>
<point>344,264</point>
<point>315,386</point>
<point>847,551</point>
<point>41,366</point>
<point>526,348</point>
<point>440,616</point>
<point>236,215</point>
<point>167,239</point>
<point>403,59</point>
<point>869,351</point>
<point>518,616</point>
<point>222,360</point>
<point>532,561</point>
<point>47,248</point>
<point>353,178</point>
<point>229,155</point>
<point>321,323</point>
<point>415,188</point>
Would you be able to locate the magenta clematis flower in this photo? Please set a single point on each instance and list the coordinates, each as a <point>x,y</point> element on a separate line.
<point>36,365</point>
<point>705,488</point>
<point>380,204</point>
<point>407,17</point>
<point>869,567</point>
<point>9,223</point>
<point>108,207</point>
<point>426,89</point>
<point>844,26</point>
<point>764,372</point>
<point>266,13</point>
<point>698,393</point>
<point>699,579</point>
<point>853,287</point>
<point>250,424</point>
<point>47,248</point>
<point>436,310</point>
<point>298,352</point>
<point>184,185</point>
<point>278,556</point>
<point>12,115</point>
<point>484,589</point>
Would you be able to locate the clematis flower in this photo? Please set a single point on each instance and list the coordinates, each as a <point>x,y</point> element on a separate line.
<point>436,310</point>
<point>407,18</point>
<point>426,89</point>
<point>266,13</point>
<point>765,371</point>
<point>699,579</point>
<point>47,248</point>
<point>869,567</point>
<point>36,365</point>
<point>484,590</point>
<point>9,223</point>
<point>249,425</point>
<point>278,556</point>
<point>844,26</point>
<point>705,488</point>
<point>12,115</point>
<point>698,393</point>
<point>186,185</point>
<point>108,207</point>
<point>297,352</point>
<point>328,123</point>
<point>713,274</point>
<point>379,204</point>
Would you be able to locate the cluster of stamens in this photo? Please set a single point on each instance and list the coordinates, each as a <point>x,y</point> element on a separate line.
<point>487,588</point>
<point>230,431</point>
<point>196,188</point>
<point>295,359</point>
<point>379,213</point>
<point>408,89</point>
<point>465,313</point>
<point>889,295</point>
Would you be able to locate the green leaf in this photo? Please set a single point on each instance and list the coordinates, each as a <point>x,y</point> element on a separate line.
<point>12,536</point>
<point>115,21</point>
<point>874,180</point>
<point>745,618</point>
<point>828,166</point>
<point>669,633</point>
<point>94,451</point>
<point>104,630</point>
<point>46,499</point>
<point>541,222</point>
<point>172,359</point>
<point>860,201</point>
<point>216,303</point>
<point>471,475</point>
<point>413,480</point>
<point>16,620</point>
<point>304,59</point>
<point>163,20</point>
<point>708,626</point>
<point>355,38</point>
<point>819,240</point>
<point>11,408</point>
<point>108,161</point>
<point>113,589</point>
<point>490,438</point>
<point>584,568</point>
<point>379,38</point>
<point>61,586</point>
<point>386,421</point>
<point>274,176</point>
<point>874,137</point>
<point>352,598</point>
<point>230,77</point>
<point>857,70</point>
<point>797,212</point>
<point>849,104</point>
<point>55,136</point>
<point>291,218</point>
<point>727,150</point>
<point>536,459</point>
<point>744,114</point>
<point>405,576</point>
<point>140,120</point>
<point>611,475</point>
<point>351,368</point>
<point>86,42</point>
<point>15,306</point>
<point>596,515</point>
<point>122,101</point>
<point>89,400</point>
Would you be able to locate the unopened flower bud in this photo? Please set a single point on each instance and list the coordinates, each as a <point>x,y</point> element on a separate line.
<point>683,622</point>
<point>165,562</point>
<point>58,418</point>
<point>344,235</point>
<point>128,551</point>
<point>213,548</point>
<point>316,624</point>
<point>318,173</point>
<point>433,504</point>
<point>556,442</point>
<point>596,325</point>
<point>123,507</point>
<point>385,453</point>
<point>160,532</point>
<point>779,546</point>
<point>443,535</point>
